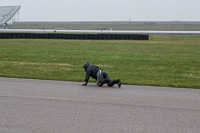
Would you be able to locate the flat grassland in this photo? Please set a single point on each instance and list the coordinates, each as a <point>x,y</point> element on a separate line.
<point>164,60</point>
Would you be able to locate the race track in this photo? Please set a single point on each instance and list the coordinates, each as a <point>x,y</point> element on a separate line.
<point>45,106</point>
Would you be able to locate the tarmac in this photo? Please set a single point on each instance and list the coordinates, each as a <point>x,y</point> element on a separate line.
<point>46,106</point>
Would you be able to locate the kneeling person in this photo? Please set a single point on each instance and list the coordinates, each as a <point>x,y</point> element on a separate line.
<point>98,74</point>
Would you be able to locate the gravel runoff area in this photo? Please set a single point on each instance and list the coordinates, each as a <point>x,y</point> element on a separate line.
<point>46,106</point>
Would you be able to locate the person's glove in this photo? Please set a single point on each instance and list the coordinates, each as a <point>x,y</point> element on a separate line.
<point>85,84</point>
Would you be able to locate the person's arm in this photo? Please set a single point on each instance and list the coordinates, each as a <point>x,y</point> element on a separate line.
<point>87,76</point>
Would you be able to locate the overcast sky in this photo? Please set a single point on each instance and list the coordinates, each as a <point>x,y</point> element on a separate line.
<point>106,10</point>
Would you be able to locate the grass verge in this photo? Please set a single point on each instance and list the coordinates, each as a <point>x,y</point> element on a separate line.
<point>162,61</point>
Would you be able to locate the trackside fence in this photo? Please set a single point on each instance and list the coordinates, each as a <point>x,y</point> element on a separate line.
<point>74,36</point>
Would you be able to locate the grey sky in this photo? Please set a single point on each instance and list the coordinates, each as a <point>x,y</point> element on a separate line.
<point>106,10</point>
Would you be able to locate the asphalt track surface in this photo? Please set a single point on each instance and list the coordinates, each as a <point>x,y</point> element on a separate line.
<point>45,106</point>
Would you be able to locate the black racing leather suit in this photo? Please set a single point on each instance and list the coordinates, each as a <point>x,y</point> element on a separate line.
<point>98,74</point>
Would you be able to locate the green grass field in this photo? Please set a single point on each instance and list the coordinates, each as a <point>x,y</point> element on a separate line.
<point>162,61</point>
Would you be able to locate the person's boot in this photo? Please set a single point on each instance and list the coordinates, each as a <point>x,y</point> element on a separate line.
<point>119,83</point>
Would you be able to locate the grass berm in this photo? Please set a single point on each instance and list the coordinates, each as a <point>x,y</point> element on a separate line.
<point>164,60</point>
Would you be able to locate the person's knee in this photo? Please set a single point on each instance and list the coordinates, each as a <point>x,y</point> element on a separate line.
<point>110,84</point>
<point>100,84</point>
